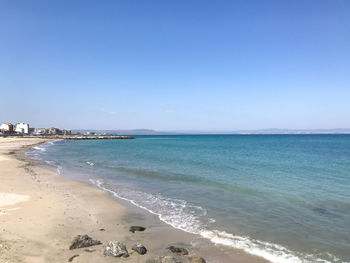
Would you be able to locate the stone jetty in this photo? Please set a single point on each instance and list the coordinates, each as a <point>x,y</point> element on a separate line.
<point>75,137</point>
<point>94,137</point>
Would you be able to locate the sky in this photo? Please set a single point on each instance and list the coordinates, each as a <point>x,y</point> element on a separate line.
<point>175,65</point>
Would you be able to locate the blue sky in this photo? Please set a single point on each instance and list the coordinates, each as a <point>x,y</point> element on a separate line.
<point>176,65</point>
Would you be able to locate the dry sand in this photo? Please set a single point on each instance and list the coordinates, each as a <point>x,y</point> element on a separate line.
<point>41,213</point>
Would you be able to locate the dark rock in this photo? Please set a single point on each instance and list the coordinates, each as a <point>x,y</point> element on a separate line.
<point>139,248</point>
<point>166,259</point>
<point>196,260</point>
<point>137,228</point>
<point>83,241</point>
<point>102,229</point>
<point>71,258</point>
<point>178,250</point>
<point>116,249</point>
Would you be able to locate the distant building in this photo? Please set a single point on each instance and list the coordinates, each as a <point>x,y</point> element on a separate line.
<point>54,131</point>
<point>39,131</point>
<point>22,128</point>
<point>66,132</point>
<point>6,128</point>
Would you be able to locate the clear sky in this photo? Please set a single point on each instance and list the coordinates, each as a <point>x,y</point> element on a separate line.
<point>175,65</point>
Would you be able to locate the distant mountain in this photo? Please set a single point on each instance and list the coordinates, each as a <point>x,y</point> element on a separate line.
<point>295,131</point>
<point>271,131</point>
<point>179,132</point>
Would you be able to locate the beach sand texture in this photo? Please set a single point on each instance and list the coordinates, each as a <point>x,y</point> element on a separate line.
<point>41,213</point>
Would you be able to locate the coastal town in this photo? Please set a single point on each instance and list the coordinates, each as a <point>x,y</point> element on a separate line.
<point>24,129</point>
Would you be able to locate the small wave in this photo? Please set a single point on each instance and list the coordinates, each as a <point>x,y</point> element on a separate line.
<point>90,163</point>
<point>185,216</point>
<point>39,148</point>
<point>42,147</point>
<point>37,152</point>
<point>52,163</point>
<point>177,213</point>
<point>59,170</point>
<point>212,220</point>
<point>271,252</point>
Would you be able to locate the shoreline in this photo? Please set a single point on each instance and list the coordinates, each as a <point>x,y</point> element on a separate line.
<point>76,208</point>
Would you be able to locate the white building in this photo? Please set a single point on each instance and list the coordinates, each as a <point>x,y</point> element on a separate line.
<point>6,127</point>
<point>66,132</point>
<point>22,128</point>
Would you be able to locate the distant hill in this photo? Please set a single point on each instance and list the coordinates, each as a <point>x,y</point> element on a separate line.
<point>179,132</point>
<point>295,131</point>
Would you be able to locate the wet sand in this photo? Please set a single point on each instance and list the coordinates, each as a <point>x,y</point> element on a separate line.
<point>41,213</point>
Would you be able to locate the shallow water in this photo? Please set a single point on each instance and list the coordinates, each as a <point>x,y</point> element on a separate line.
<point>283,197</point>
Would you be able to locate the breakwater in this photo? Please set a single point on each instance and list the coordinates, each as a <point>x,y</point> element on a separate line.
<point>77,137</point>
<point>65,137</point>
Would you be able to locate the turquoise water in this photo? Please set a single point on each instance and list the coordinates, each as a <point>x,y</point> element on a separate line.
<point>283,197</point>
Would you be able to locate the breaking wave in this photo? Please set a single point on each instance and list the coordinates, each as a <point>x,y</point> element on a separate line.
<point>40,148</point>
<point>90,163</point>
<point>182,215</point>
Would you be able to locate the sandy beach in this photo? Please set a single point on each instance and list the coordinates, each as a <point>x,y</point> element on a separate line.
<point>41,213</point>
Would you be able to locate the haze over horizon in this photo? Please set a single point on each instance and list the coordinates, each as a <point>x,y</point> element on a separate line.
<point>181,65</point>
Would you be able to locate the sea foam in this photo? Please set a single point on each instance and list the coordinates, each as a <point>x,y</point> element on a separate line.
<point>184,216</point>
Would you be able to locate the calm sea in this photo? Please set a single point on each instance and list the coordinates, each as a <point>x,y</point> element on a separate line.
<point>283,197</point>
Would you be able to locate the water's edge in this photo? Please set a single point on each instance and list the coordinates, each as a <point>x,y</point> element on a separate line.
<point>269,251</point>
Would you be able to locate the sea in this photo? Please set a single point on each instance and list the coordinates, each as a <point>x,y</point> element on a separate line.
<point>285,198</point>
